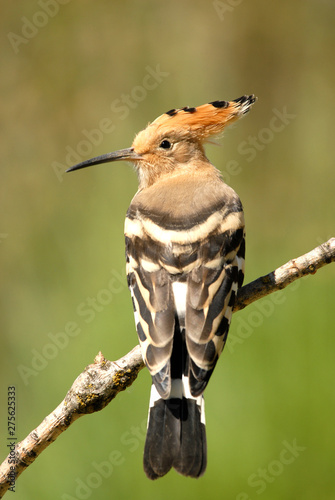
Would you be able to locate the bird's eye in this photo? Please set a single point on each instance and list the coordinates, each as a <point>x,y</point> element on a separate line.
<point>165,144</point>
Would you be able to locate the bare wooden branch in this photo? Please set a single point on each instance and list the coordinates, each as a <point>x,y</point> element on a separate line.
<point>307,264</point>
<point>101,381</point>
<point>92,390</point>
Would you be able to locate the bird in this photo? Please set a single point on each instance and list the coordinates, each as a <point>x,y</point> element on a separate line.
<point>185,249</point>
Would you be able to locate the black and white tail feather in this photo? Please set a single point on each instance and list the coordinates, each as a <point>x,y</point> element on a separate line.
<point>176,435</point>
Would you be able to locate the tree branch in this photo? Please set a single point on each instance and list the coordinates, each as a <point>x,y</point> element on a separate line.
<point>308,263</point>
<point>101,381</point>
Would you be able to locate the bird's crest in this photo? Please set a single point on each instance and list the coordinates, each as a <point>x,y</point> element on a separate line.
<point>206,120</point>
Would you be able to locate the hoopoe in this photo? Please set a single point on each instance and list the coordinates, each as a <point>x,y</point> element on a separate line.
<point>185,246</point>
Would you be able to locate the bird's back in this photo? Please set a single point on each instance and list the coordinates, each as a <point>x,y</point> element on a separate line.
<point>183,236</point>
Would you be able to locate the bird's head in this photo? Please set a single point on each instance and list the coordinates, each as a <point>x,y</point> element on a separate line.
<point>174,141</point>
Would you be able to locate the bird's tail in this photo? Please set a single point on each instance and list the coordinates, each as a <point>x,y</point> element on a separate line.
<point>176,435</point>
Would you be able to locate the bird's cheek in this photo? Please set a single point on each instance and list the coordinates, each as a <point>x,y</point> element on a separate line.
<point>182,154</point>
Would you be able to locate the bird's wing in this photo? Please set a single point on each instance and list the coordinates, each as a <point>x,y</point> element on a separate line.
<point>211,292</point>
<point>183,272</point>
<point>153,303</point>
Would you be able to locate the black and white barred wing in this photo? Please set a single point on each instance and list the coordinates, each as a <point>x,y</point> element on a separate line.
<point>154,310</point>
<point>185,287</point>
<point>211,292</point>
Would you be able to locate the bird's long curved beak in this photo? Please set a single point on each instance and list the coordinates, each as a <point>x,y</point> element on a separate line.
<point>127,154</point>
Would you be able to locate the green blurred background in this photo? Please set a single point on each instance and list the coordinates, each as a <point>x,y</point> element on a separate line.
<point>75,84</point>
